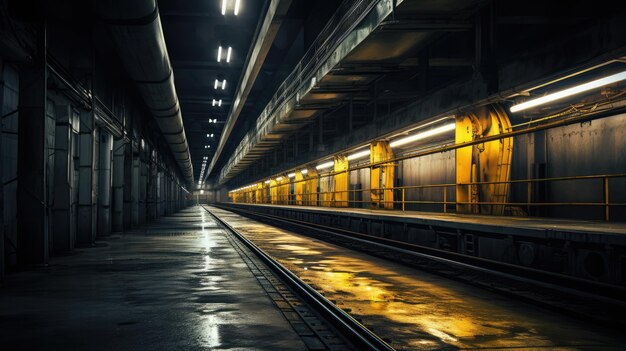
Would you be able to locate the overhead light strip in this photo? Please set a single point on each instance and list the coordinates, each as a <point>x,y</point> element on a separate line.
<point>359,154</point>
<point>419,136</point>
<point>569,92</point>
<point>325,165</point>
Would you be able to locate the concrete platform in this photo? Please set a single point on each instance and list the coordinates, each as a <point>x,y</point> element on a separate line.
<point>416,310</point>
<point>577,248</point>
<point>176,285</point>
<point>610,232</point>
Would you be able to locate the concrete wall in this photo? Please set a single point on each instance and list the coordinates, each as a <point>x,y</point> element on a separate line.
<point>87,190</point>
<point>9,88</point>
<point>596,147</point>
<point>427,170</point>
<point>591,148</point>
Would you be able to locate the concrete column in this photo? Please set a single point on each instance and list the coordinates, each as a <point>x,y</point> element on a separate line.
<point>143,192</point>
<point>159,194</point>
<point>173,195</point>
<point>172,188</point>
<point>32,211</point>
<point>86,232</point>
<point>170,196</point>
<point>166,192</point>
<point>64,221</point>
<point>117,175</point>
<point>104,183</point>
<point>151,197</point>
<point>128,184</point>
<point>182,199</point>
<point>2,269</point>
<point>135,185</point>
<point>9,109</point>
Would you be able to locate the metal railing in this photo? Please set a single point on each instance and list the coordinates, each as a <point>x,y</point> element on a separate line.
<point>285,195</point>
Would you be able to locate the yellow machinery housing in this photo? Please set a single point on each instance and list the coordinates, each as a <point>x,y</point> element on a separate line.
<point>381,176</point>
<point>486,162</point>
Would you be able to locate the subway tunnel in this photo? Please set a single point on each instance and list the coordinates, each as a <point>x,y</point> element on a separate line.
<point>312,175</point>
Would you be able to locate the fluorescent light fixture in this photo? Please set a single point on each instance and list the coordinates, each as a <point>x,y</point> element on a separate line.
<point>224,7</point>
<point>267,182</point>
<point>230,49</point>
<point>569,92</point>
<point>304,171</point>
<point>279,179</point>
<point>419,136</point>
<point>201,192</point>
<point>214,102</point>
<point>219,54</point>
<point>216,83</point>
<point>237,3</point>
<point>291,175</point>
<point>359,154</point>
<point>219,103</point>
<point>325,165</point>
<point>224,84</point>
<point>211,135</point>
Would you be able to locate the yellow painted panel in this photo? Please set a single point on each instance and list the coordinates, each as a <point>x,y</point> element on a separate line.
<point>340,181</point>
<point>311,187</point>
<point>299,187</point>
<point>382,176</point>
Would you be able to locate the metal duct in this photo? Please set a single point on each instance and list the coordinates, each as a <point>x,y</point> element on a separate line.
<point>137,33</point>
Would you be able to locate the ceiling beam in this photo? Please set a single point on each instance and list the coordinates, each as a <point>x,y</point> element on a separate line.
<point>426,25</point>
<point>263,42</point>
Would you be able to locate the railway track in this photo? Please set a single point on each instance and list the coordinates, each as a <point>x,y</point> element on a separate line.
<point>589,300</point>
<point>353,331</point>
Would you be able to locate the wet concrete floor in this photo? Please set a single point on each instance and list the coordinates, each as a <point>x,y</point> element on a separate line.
<point>177,285</point>
<point>417,310</point>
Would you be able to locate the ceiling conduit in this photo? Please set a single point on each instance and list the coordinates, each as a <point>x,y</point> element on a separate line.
<point>137,33</point>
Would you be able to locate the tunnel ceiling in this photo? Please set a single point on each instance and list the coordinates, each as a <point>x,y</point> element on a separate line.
<point>194,29</point>
<point>422,47</point>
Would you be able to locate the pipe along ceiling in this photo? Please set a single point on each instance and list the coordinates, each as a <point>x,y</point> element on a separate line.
<point>137,33</point>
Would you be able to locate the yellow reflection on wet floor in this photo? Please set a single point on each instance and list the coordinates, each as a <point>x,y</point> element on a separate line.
<point>418,310</point>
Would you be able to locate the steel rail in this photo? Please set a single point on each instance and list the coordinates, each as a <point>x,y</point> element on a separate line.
<point>606,293</point>
<point>351,329</point>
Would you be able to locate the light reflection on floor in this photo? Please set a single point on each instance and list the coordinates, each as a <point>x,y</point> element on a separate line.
<point>417,310</point>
